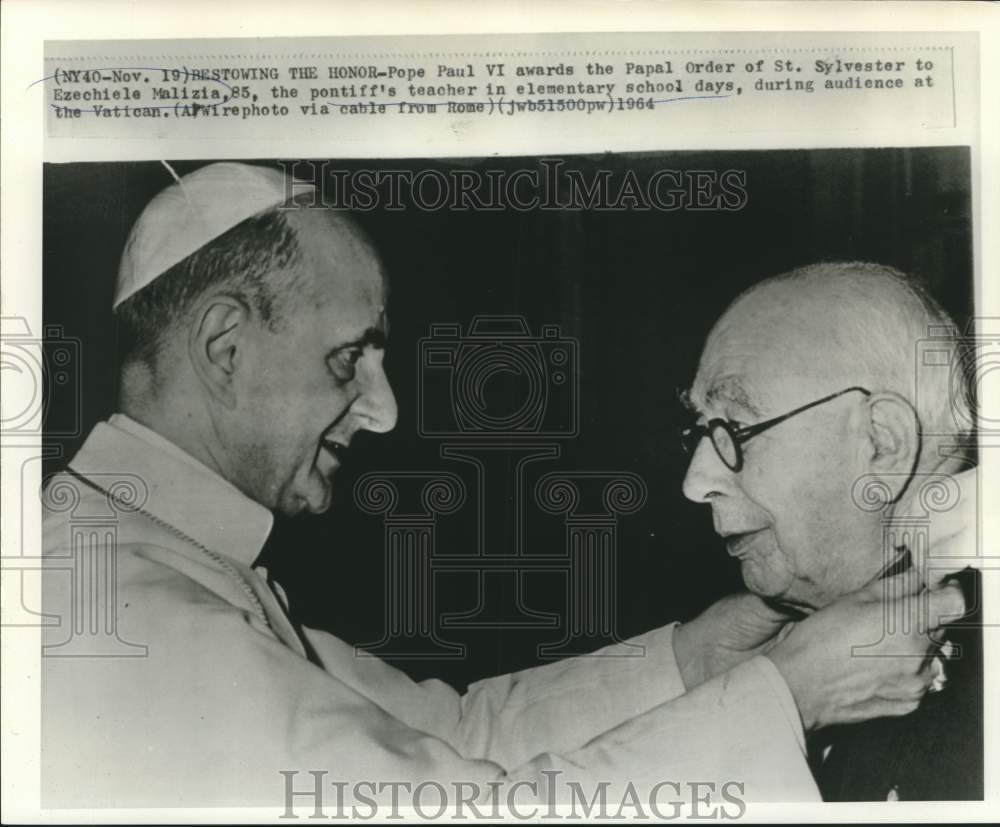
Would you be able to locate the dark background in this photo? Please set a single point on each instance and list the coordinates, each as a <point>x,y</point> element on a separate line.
<point>638,291</point>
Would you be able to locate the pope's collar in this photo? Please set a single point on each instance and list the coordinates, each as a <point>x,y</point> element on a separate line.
<point>182,491</point>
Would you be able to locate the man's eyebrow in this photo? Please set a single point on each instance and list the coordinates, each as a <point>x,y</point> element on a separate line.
<point>684,397</point>
<point>731,390</point>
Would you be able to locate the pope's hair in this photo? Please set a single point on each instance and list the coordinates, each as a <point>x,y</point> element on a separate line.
<point>255,261</point>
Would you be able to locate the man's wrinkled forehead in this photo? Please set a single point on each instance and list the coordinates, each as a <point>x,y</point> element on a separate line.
<point>755,350</point>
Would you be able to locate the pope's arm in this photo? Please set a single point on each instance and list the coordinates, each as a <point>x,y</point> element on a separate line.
<point>604,717</point>
<point>510,719</point>
<point>220,707</point>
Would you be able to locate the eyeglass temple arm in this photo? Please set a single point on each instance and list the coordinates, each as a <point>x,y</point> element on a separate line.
<point>753,430</point>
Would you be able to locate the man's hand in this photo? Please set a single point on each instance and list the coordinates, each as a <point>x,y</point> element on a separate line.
<point>889,675</point>
<point>728,632</point>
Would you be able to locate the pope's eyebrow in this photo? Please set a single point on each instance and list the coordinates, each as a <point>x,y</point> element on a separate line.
<point>371,337</point>
<point>374,337</point>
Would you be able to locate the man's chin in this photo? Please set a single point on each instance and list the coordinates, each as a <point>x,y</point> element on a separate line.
<point>778,595</point>
<point>758,582</point>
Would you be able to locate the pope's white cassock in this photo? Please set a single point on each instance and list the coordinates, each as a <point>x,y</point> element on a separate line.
<point>225,697</point>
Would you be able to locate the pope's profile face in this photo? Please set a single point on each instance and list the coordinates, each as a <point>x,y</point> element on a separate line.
<point>788,515</point>
<point>307,387</point>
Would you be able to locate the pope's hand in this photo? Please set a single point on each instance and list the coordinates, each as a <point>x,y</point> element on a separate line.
<point>841,664</point>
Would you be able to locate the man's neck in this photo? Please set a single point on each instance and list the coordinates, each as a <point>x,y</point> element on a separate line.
<point>928,470</point>
<point>155,409</point>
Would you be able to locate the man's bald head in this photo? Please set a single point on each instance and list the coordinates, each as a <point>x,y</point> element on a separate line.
<point>829,353</point>
<point>855,323</point>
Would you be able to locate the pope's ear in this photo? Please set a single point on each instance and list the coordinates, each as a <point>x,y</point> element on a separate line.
<point>893,439</point>
<point>214,345</point>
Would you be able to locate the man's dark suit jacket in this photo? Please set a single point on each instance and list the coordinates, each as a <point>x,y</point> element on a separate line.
<point>933,754</point>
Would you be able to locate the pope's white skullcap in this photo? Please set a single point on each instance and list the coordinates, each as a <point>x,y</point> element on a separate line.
<point>191,212</point>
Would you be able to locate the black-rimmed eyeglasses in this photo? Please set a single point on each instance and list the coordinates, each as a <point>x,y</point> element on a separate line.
<point>728,439</point>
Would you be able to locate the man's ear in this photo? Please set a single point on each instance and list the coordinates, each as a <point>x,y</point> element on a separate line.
<point>215,342</point>
<point>893,440</point>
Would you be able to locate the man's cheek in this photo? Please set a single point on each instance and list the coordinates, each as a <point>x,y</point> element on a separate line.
<point>773,489</point>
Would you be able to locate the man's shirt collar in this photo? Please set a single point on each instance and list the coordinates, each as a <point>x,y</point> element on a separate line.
<point>181,490</point>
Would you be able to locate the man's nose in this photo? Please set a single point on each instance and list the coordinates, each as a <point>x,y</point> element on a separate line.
<point>376,406</point>
<point>707,475</point>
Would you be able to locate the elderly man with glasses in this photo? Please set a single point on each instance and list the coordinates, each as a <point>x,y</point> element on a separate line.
<point>817,367</point>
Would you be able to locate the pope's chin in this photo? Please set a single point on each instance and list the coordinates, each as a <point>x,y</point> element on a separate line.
<point>314,496</point>
<point>321,495</point>
<point>319,508</point>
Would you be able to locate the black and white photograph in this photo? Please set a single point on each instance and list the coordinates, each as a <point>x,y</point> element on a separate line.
<point>401,476</point>
<point>499,412</point>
